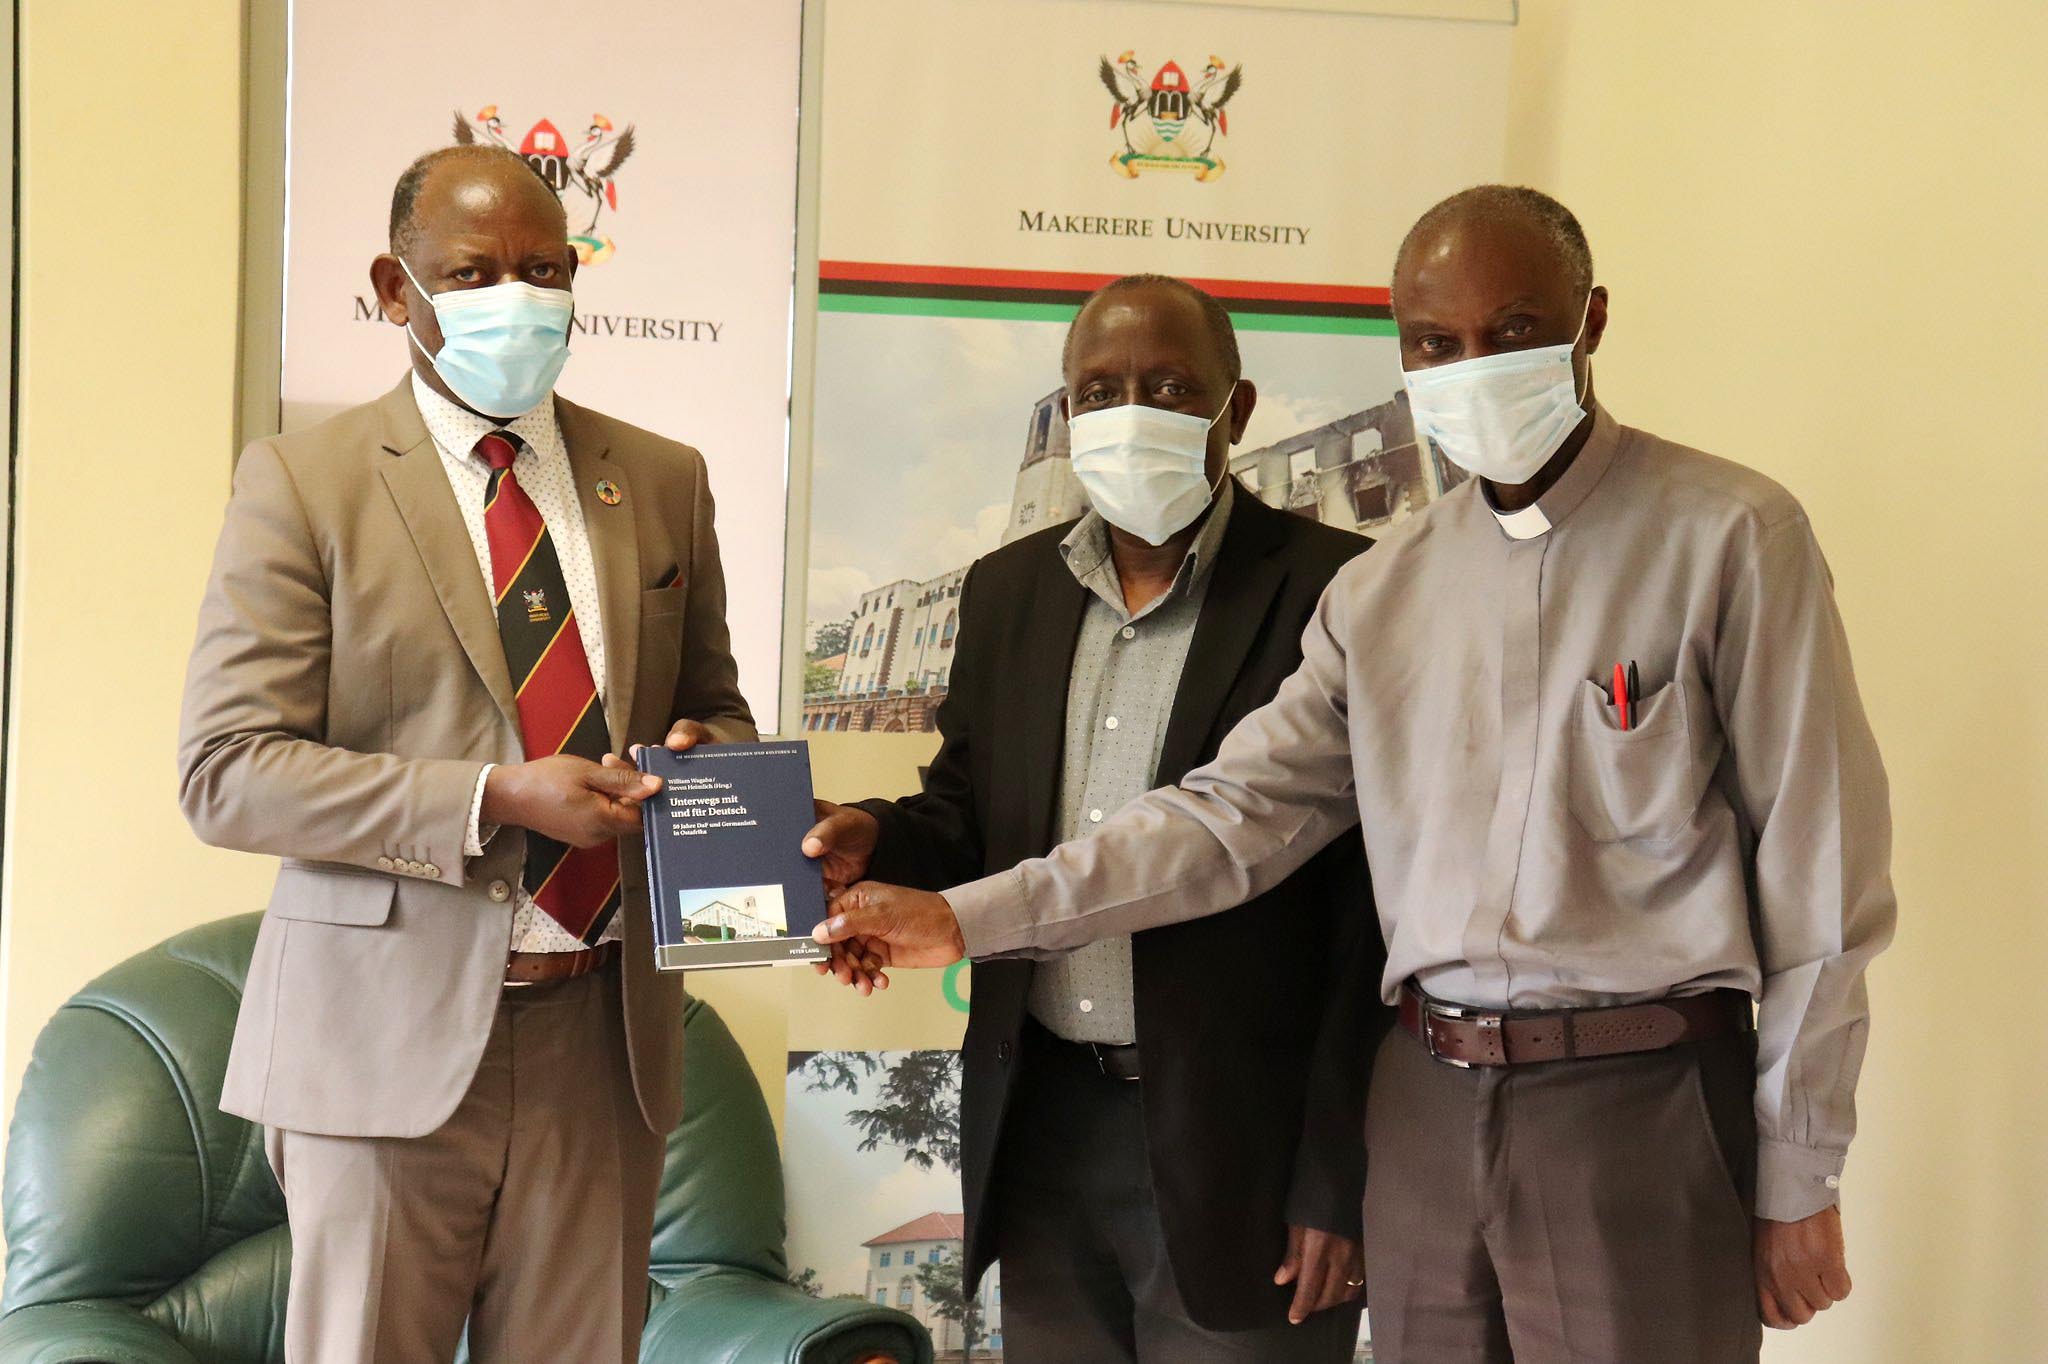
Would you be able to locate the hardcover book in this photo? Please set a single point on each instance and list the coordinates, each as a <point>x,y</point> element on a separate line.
<point>726,871</point>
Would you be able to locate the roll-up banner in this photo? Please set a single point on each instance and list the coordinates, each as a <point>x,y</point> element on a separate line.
<point>985,165</point>
<point>669,129</point>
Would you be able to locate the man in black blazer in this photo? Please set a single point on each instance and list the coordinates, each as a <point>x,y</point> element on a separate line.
<point>1159,1136</point>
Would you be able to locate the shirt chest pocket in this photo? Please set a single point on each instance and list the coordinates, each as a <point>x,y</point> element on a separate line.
<point>1644,782</point>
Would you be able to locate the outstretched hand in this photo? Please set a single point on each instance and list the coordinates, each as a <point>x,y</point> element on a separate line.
<point>874,926</point>
<point>842,843</point>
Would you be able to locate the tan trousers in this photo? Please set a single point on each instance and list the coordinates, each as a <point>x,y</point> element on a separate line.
<point>528,1214</point>
<point>1578,1212</point>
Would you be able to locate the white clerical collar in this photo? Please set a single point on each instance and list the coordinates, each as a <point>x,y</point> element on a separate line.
<point>1526,524</point>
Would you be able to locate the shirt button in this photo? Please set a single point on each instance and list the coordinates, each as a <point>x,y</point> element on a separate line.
<point>500,892</point>
<point>1002,1051</point>
<point>1095,816</point>
<point>1087,1006</point>
<point>1110,723</point>
<point>1833,1181</point>
<point>385,864</point>
<point>1130,632</point>
<point>431,870</point>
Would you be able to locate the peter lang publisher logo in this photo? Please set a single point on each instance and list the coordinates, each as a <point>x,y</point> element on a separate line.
<point>583,176</point>
<point>1168,122</point>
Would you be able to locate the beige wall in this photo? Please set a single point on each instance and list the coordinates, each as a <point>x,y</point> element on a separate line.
<point>1820,225</point>
<point>130,239</point>
<point>1822,228</point>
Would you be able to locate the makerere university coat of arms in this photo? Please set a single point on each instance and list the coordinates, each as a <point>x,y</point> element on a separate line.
<point>1168,124</point>
<point>582,176</point>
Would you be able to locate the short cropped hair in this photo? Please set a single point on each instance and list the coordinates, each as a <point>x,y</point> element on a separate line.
<point>406,193</point>
<point>1221,333</point>
<point>1517,203</point>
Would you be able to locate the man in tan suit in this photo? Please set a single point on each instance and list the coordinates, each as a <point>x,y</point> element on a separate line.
<point>433,624</point>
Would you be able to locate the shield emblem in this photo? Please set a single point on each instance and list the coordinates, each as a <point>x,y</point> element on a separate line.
<point>547,152</point>
<point>1169,102</point>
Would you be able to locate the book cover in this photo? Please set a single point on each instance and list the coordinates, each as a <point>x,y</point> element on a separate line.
<point>726,871</point>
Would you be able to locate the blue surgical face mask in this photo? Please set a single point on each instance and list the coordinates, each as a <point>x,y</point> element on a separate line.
<point>1501,416</point>
<point>502,347</point>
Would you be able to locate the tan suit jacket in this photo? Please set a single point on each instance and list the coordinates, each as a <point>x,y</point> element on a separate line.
<point>346,689</point>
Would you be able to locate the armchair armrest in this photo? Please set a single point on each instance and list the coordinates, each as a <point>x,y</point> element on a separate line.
<point>737,1317</point>
<point>87,1333</point>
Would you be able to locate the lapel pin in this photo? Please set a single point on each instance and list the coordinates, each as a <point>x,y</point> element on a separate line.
<point>608,492</point>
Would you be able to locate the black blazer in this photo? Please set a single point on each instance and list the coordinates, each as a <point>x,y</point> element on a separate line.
<point>1256,1026</point>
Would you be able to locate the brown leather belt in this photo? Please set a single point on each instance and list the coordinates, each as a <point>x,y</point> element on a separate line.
<point>1461,1035</point>
<point>545,968</point>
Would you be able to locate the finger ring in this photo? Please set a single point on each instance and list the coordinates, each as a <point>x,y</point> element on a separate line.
<point>1354,1283</point>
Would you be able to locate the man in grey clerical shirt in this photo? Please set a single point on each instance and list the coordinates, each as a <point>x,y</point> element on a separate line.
<point>1595,717</point>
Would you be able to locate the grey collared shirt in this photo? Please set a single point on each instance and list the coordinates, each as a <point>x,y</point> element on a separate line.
<point>1120,693</point>
<point>1526,850</point>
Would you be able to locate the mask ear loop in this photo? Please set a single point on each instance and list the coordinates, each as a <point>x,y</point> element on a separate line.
<point>430,303</point>
<point>1217,486</point>
<point>1579,397</point>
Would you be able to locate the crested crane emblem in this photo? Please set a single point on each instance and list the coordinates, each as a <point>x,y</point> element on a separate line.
<point>1169,122</point>
<point>582,174</point>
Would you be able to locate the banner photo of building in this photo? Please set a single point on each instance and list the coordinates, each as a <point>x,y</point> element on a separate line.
<point>1078,143</point>
<point>871,1159</point>
<point>674,155</point>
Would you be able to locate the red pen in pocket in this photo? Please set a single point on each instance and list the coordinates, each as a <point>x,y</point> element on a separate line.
<point>1624,703</point>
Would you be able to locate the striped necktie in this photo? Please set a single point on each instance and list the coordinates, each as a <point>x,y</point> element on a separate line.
<point>558,708</point>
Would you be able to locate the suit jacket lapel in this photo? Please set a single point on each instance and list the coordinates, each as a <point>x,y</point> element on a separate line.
<point>419,485</point>
<point>615,550</point>
<point>1045,669</point>
<point>1246,578</point>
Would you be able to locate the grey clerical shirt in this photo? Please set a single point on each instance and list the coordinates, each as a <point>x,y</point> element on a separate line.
<point>1120,693</point>
<point>1527,851</point>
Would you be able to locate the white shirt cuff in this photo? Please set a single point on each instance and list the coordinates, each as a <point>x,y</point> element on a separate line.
<point>1794,1182</point>
<point>475,836</point>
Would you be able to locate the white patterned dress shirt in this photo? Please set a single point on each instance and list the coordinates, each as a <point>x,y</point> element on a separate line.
<point>542,469</point>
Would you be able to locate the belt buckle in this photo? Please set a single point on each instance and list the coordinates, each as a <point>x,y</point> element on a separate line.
<point>1433,1009</point>
<point>1102,1064</point>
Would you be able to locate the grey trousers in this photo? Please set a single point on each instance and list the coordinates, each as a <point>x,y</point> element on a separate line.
<point>1578,1212</point>
<point>528,1214</point>
<point>1085,1274</point>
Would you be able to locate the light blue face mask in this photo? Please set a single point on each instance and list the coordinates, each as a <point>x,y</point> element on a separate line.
<point>502,347</point>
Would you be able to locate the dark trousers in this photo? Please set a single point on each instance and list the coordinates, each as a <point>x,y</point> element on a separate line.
<point>1577,1212</point>
<point>1085,1276</point>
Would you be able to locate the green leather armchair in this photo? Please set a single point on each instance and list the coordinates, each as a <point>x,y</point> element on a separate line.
<point>144,1225</point>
